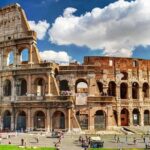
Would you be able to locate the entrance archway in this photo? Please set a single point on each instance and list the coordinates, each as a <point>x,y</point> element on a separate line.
<point>58,120</point>
<point>146,117</point>
<point>100,120</point>
<point>21,121</point>
<point>136,117</point>
<point>83,120</point>
<point>7,120</point>
<point>124,117</point>
<point>39,120</point>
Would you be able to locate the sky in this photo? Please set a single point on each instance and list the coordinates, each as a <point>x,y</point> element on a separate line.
<point>68,30</point>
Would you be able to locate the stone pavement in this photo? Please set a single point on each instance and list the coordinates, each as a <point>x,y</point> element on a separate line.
<point>71,141</point>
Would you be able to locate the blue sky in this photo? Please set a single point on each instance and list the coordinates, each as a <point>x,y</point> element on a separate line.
<point>76,48</point>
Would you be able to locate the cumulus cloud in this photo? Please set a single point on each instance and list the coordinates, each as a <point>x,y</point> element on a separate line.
<point>60,57</point>
<point>40,28</point>
<point>117,29</point>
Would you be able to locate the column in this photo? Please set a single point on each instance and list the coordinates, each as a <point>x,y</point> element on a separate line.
<point>14,96</point>
<point>130,118</point>
<point>12,122</point>
<point>48,84</point>
<point>140,93</point>
<point>109,117</point>
<point>30,54</point>
<point>129,92</point>
<point>29,120</point>
<point>141,117</point>
<point>69,119</point>
<point>29,92</point>
<point>48,119</point>
<point>118,92</point>
<point>119,116</point>
<point>91,120</point>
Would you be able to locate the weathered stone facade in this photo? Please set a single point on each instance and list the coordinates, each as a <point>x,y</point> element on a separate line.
<point>101,93</point>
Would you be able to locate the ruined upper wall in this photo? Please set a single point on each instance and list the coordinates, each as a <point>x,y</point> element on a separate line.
<point>13,23</point>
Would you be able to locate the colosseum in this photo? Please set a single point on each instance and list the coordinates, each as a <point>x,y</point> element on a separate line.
<point>101,93</point>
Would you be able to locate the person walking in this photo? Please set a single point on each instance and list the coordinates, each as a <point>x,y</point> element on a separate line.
<point>118,140</point>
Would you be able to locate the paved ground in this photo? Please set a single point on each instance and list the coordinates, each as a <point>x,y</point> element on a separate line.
<point>71,141</point>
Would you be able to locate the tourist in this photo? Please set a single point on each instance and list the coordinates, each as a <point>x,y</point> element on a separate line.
<point>115,137</point>
<point>118,140</point>
<point>22,142</point>
<point>134,141</point>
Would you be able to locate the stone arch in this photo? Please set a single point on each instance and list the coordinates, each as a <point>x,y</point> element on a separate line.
<point>124,75</point>
<point>81,86</point>
<point>124,117</point>
<point>64,86</point>
<point>10,58</point>
<point>39,120</point>
<point>123,90</point>
<point>22,87</point>
<point>83,120</point>
<point>24,55</point>
<point>7,120</point>
<point>40,86</point>
<point>136,116</point>
<point>112,88</point>
<point>100,120</point>
<point>100,87</point>
<point>7,88</point>
<point>135,90</point>
<point>58,120</point>
<point>145,89</point>
<point>21,121</point>
<point>146,117</point>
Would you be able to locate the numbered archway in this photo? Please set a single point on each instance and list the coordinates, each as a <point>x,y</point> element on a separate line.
<point>7,120</point>
<point>124,117</point>
<point>136,117</point>
<point>100,120</point>
<point>21,121</point>
<point>58,120</point>
<point>39,120</point>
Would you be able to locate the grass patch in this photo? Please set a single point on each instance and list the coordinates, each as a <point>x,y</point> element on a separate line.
<point>13,147</point>
<point>116,149</point>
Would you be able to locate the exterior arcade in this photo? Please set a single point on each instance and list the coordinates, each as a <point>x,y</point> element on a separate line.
<point>102,93</point>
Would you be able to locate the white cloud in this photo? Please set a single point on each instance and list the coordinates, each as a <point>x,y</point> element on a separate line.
<point>60,57</point>
<point>117,28</point>
<point>40,28</point>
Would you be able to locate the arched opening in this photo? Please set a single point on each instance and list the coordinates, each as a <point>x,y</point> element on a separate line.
<point>21,87</point>
<point>124,75</point>
<point>7,88</point>
<point>145,90</point>
<point>81,86</point>
<point>24,56</point>
<point>58,120</point>
<point>21,121</point>
<point>146,117</point>
<point>64,86</point>
<point>124,117</point>
<point>100,87</point>
<point>136,117</point>
<point>39,120</point>
<point>10,58</point>
<point>112,89</point>
<point>115,117</point>
<point>40,87</point>
<point>83,120</point>
<point>135,90</point>
<point>100,120</point>
<point>7,121</point>
<point>123,91</point>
